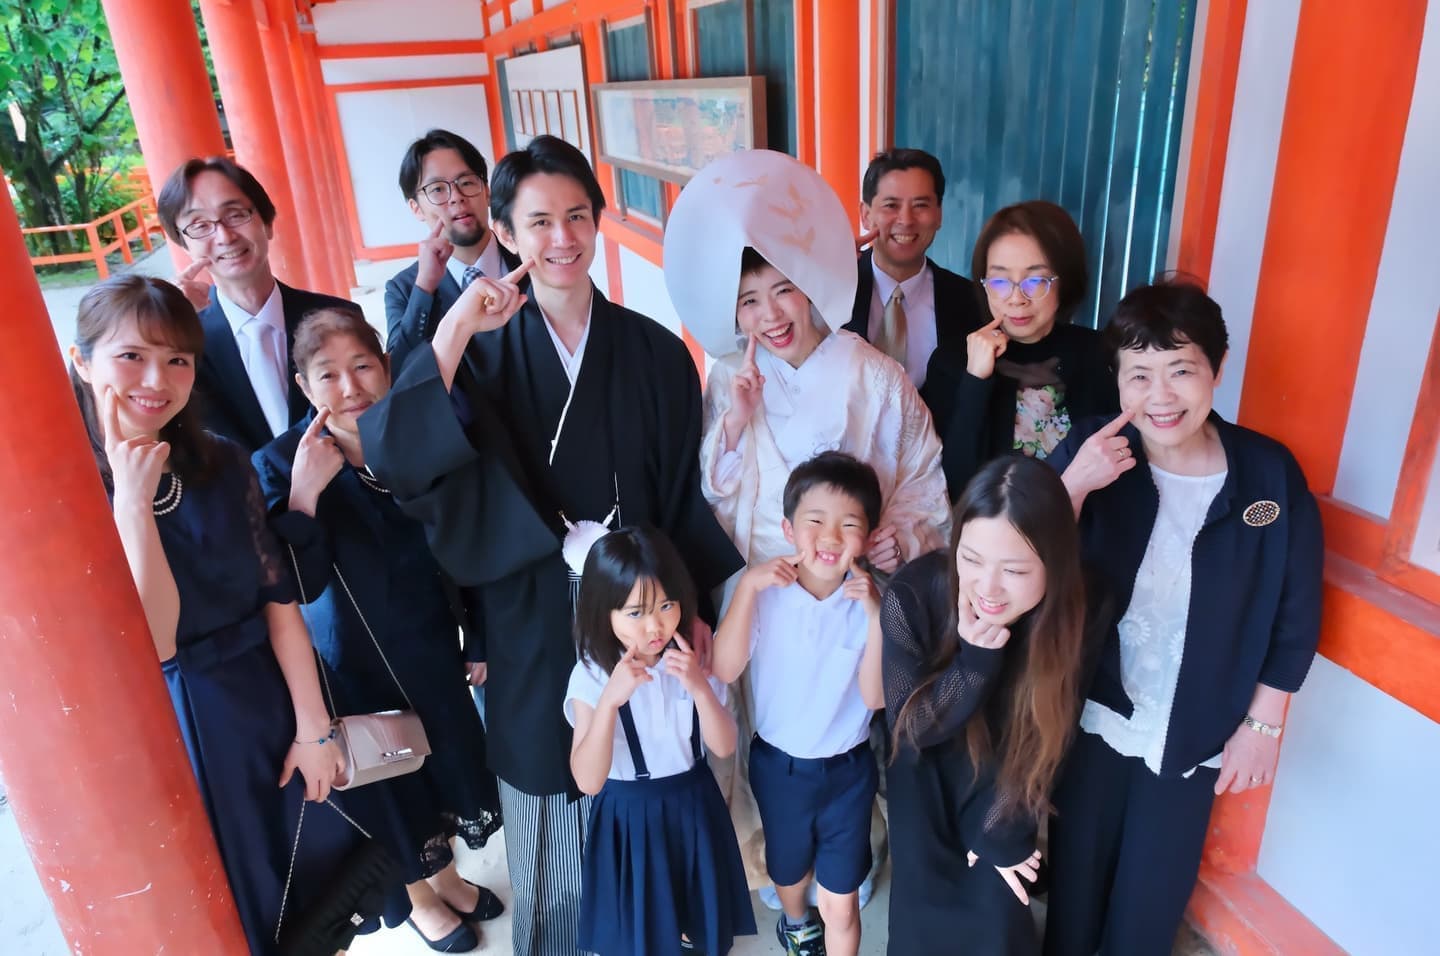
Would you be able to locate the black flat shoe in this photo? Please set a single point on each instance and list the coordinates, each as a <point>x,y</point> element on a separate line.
<point>487,906</point>
<point>462,939</point>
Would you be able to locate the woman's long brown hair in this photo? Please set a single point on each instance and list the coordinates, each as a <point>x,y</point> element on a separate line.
<point>1030,715</point>
<point>164,317</point>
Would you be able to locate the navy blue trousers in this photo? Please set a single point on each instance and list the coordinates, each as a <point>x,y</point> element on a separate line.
<point>1124,853</point>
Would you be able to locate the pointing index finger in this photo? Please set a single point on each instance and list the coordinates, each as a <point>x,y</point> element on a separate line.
<point>195,267</point>
<point>1118,422</point>
<point>750,349</point>
<point>322,414</point>
<point>681,643</point>
<point>110,417</point>
<point>520,271</point>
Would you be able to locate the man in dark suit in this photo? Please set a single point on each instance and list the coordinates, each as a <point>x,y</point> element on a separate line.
<point>906,305</point>
<point>444,179</point>
<point>219,213</point>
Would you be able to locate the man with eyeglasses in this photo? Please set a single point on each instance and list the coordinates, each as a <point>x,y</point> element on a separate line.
<point>219,213</point>
<point>906,305</point>
<point>444,179</point>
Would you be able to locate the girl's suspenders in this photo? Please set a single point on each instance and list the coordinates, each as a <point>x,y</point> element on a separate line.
<point>632,739</point>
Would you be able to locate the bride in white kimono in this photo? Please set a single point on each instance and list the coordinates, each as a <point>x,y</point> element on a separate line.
<point>761,223</point>
<point>843,395</point>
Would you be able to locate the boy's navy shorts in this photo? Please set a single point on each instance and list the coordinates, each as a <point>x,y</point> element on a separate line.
<point>816,814</point>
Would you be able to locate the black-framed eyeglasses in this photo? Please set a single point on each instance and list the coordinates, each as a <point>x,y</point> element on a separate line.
<point>232,219</point>
<point>1031,287</point>
<point>438,192</point>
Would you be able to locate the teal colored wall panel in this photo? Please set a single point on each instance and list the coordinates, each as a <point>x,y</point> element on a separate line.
<point>720,39</point>
<point>775,60</point>
<point>1076,102</point>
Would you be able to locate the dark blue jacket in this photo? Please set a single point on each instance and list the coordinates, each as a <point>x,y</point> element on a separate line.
<point>230,407</point>
<point>1254,613</point>
<point>411,313</point>
<point>381,552</point>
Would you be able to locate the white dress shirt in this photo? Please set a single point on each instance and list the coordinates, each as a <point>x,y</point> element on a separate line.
<point>490,263</point>
<point>805,671</point>
<point>268,368</point>
<point>920,335</point>
<point>664,714</point>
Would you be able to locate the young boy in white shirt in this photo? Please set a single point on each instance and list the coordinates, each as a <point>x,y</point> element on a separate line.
<point>808,626</point>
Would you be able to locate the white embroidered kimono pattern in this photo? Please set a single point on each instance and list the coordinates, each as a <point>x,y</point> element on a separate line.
<point>877,416</point>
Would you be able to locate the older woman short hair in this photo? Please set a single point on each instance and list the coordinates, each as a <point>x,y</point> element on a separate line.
<point>1208,541</point>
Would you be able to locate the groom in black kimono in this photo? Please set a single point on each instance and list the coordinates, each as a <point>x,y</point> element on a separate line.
<point>495,435</point>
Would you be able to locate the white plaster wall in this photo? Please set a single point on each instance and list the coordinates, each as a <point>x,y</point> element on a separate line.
<point>644,287</point>
<point>390,68</point>
<point>1351,838</point>
<point>377,126</point>
<point>562,69</point>
<point>1261,86</point>
<point>390,21</point>
<point>1403,309</point>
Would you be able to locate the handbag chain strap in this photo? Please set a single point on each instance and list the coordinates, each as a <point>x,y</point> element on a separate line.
<point>358,613</point>
<point>366,624</point>
<point>295,849</point>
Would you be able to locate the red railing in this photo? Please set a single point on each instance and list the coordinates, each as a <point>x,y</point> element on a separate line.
<point>146,221</point>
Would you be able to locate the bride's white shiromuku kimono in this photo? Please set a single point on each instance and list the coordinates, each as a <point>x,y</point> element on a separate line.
<point>846,396</point>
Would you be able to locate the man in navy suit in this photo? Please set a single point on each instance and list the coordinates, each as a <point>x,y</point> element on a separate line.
<point>906,305</point>
<point>219,213</point>
<point>445,180</point>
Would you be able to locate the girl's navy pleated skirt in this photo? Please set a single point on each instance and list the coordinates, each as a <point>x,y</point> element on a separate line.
<point>661,859</point>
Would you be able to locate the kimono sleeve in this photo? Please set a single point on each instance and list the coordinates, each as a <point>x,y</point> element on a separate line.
<point>453,479</point>
<point>918,507</point>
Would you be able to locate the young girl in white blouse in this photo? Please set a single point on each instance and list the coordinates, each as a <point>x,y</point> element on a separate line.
<point>662,867</point>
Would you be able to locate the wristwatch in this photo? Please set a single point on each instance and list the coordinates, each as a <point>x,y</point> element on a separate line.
<point>1260,727</point>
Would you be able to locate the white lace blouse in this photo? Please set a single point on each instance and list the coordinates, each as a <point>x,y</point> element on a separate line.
<point>1152,632</point>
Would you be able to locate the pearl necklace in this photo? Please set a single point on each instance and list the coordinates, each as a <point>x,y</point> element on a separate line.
<point>367,478</point>
<point>169,501</point>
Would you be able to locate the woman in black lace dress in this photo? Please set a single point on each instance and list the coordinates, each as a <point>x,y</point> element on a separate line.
<point>382,620</point>
<point>220,604</point>
<point>983,650</point>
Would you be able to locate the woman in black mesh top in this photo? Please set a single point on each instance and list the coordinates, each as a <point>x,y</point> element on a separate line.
<point>982,661</point>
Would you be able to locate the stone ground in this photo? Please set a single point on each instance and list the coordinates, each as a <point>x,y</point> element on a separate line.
<point>28,928</point>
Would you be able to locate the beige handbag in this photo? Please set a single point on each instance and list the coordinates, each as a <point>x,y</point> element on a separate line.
<point>376,746</point>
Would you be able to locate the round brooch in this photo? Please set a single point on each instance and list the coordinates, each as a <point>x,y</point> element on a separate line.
<point>1261,513</point>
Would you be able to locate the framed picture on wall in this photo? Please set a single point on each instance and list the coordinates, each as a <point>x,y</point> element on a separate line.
<point>671,128</point>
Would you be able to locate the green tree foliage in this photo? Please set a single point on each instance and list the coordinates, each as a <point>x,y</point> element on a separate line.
<point>58,73</point>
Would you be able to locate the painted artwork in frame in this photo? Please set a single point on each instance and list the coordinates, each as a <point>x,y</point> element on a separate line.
<point>671,128</point>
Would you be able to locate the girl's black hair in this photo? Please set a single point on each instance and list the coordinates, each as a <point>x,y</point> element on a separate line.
<point>613,566</point>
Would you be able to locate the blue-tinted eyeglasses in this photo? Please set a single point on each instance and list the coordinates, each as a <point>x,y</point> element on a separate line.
<point>1031,287</point>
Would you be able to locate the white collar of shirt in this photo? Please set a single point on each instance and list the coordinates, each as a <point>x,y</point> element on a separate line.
<point>919,289</point>
<point>571,363</point>
<point>272,313</point>
<point>490,262</point>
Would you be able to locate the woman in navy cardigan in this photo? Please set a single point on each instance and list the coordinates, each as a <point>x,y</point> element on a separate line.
<point>383,619</point>
<point>1206,535</point>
